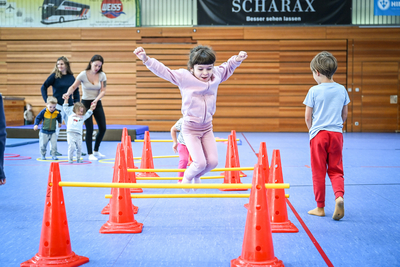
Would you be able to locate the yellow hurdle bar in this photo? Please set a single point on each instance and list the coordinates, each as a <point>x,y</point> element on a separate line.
<point>141,141</point>
<point>182,170</point>
<point>175,186</point>
<point>190,196</point>
<point>179,178</point>
<point>160,157</point>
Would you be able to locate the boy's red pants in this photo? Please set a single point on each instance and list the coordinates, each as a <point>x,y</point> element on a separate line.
<point>326,157</point>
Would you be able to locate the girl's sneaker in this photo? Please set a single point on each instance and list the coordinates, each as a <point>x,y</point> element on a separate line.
<point>98,155</point>
<point>93,157</point>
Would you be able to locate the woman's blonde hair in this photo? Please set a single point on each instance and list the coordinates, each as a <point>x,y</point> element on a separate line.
<point>66,62</point>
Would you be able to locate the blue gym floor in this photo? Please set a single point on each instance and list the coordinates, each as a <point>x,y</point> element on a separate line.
<point>209,232</point>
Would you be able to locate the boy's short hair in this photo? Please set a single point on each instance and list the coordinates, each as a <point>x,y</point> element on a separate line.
<point>51,100</point>
<point>325,63</point>
<point>77,106</point>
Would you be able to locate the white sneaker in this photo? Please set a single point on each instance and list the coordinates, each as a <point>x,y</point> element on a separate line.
<point>98,155</point>
<point>92,157</point>
<point>196,181</point>
<point>186,181</point>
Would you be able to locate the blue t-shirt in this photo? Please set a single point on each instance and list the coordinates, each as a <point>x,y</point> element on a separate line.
<point>327,101</point>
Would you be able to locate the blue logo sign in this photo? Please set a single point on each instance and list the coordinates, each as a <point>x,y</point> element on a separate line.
<point>387,7</point>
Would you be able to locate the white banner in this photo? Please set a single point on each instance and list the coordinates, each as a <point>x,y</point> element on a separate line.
<point>63,13</point>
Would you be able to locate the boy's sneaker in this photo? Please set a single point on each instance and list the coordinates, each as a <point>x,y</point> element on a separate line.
<point>98,155</point>
<point>43,157</point>
<point>54,158</point>
<point>79,161</point>
<point>92,157</point>
<point>58,153</point>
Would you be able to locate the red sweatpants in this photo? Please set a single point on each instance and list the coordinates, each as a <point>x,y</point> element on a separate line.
<point>326,157</point>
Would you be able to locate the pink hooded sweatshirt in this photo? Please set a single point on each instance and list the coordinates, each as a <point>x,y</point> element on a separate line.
<point>198,98</point>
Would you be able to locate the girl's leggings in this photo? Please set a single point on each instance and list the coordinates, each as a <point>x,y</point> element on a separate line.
<point>326,157</point>
<point>100,118</point>
<point>200,141</point>
<point>183,158</point>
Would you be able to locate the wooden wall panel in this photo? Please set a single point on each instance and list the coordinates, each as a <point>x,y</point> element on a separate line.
<point>265,93</point>
<point>14,111</point>
<point>109,34</point>
<point>348,125</point>
<point>377,111</point>
<point>29,34</point>
<point>210,33</point>
<point>290,33</point>
<point>3,45</point>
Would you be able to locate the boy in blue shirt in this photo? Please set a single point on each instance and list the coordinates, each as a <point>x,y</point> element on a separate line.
<point>50,117</point>
<point>326,111</point>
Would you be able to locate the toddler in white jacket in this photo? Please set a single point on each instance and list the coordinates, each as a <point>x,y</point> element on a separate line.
<point>76,118</point>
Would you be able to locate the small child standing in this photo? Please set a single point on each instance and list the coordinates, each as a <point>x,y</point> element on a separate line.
<point>198,85</point>
<point>50,117</point>
<point>179,146</point>
<point>326,111</point>
<point>28,115</point>
<point>76,118</point>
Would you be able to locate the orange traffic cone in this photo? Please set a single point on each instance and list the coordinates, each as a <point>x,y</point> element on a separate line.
<point>277,200</point>
<point>257,249</point>
<point>55,244</point>
<point>190,160</point>
<point>233,133</point>
<point>106,209</point>
<point>130,164</point>
<point>242,174</point>
<point>231,177</point>
<point>121,220</point>
<point>147,158</point>
<point>263,156</point>
<point>124,134</point>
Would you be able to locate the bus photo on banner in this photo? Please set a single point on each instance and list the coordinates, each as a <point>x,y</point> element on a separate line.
<point>59,11</point>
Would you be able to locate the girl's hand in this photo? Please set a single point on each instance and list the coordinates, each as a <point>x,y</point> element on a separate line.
<point>242,56</point>
<point>141,54</point>
<point>175,147</point>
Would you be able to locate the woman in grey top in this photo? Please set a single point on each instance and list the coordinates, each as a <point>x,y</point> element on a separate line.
<point>94,83</point>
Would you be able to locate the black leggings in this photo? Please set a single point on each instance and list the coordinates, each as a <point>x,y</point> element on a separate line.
<point>100,118</point>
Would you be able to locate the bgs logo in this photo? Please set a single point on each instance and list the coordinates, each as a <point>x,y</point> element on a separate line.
<point>112,8</point>
<point>383,4</point>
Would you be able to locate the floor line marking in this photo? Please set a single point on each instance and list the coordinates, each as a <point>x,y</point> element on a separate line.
<point>310,235</point>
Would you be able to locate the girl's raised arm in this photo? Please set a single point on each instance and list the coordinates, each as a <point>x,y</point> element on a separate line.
<point>241,56</point>
<point>141,54</point>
